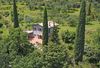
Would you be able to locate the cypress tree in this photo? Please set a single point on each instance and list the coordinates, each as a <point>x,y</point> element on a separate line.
<point>80,36</point>
<point>54,36</point>
<point>45,28</point>
<point>16,23</point>
<point>89,8</point>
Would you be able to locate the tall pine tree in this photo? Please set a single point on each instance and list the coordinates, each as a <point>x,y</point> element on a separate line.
<point>45,28</point>
<point>80,36</point>
<point>89,8</point>
<point>54,36</point>
<point>16,23</point>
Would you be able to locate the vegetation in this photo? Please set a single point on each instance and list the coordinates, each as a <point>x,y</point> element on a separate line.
<point>62,49</point>
<point>80,37</point>
<point>54,36</point>
<point>45,28</point>
<point>16,24</point>
<point>68,37</point>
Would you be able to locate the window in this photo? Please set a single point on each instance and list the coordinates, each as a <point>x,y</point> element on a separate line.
<point>39,36</point>
<point>40,29</point>
<point>34,28</point>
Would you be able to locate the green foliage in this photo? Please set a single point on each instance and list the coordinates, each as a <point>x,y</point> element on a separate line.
<point>84,65</point>
<point>0,16</point>
<point>54,37</point>
<point>89,8</point>
<point>21,17</point>
<point>92,54</point>
<point>96,37</point>
<point>45,28</point>
<point>28,19</point>
<point>33,60</point>
<point>17,52</point>
<point>55,57</point>
<point>4,60</point>
<point>6,13</point>
<point>16,23</point>
<point>88,20</point>
<point>80,37</point>
<point>68,37</point>
<point>1,25</point>
<point>1,31</point>
<point>72,21</point>
<point>97,10</point>
<point>17,43</point>
<point>98,65</point>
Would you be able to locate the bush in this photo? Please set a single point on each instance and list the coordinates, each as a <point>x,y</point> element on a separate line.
<point>96,37</point>
<point>56,57</point>
<point>21,17</point>
<point>72,21</point>
<point>1,25</point>
<point>99,18</point>
<point>92,51</point>
<point>88,19</point>
<point>28,19</point>
<point>1,31</point>
<point>0,16</point>
<point>68,37</point>
<point>92,54</point>
<point>71,11</point>
<point>7,24</point>
<point>76,5</point>
<point>6,14</point>
<point>98,65</point>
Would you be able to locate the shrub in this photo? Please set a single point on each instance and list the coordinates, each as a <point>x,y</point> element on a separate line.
<point>7,24</point>
<point>71,11</point>
<point>98,65</point>
<point>1,31</point>
<point>21,17</point>
<point>99,18</point>
<point>68,37</point>
<point>1,25</point>
<point>72,21</point>
<point>88,19</point>
<point>76,5</point>
<point>28,19</point>
<point>0,16</point>
<point>96,37</point>
<point>56,57</point>
<point>6,13</point>
<point>92,54</point>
